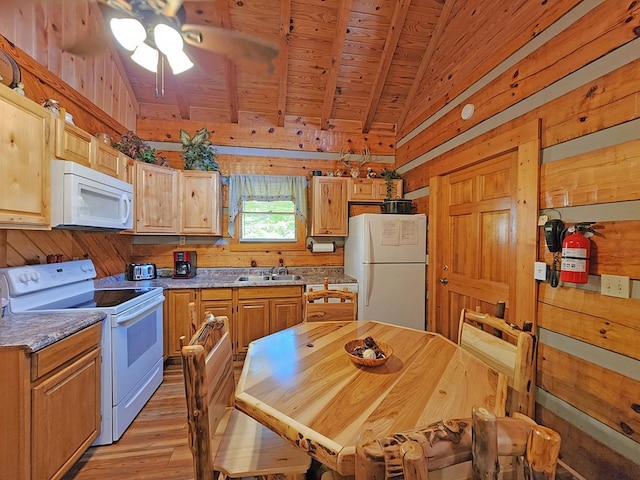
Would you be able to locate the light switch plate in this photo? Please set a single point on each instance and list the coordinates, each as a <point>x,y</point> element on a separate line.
<point>540,271</point>
<point>615,286</point>
<point>542,219</point>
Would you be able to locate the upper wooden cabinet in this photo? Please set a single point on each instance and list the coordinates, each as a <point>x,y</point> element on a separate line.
<point>200,203</point>
<point>156,200</point>
<point>25,162</point>
<point>329,208</point>
<point>372,189</point>
<point>177,202</point>
<point>73,143</point>
<point>108,160</point>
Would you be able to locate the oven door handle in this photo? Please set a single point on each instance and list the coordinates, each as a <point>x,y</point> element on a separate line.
<point>132,316</point>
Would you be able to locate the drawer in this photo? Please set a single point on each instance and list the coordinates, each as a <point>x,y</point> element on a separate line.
<point>269,292</point>
<point>52,357</point>
<point>215,294</point>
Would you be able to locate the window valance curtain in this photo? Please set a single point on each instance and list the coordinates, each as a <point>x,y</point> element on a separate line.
<point>266,188</point>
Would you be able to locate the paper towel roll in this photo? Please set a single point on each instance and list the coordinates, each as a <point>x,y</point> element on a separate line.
<point>325,247</point>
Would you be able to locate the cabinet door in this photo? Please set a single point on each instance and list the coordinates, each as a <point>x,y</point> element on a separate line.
<point>200,212</point>
<point>285,313</point>
<point>25,155</point>
<point>65,416</point>
<point>176,318</point>
<point>381,189</point>
<point>109,160</point>
<point>252,322</point>
<point>329,215</point>
<point>73,143</point>
<point>362,189</point>
<point>156,202</point>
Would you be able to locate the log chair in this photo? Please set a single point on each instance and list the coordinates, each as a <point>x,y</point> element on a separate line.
<point>221,438</point>
<point>318,308</point>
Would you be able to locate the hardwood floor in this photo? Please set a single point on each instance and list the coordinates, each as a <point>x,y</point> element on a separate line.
<point>155,445</point>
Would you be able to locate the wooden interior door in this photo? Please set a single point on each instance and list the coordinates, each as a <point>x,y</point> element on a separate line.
<point>483,234</point>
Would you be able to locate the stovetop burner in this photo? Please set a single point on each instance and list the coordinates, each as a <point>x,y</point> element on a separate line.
<point>95,299</point>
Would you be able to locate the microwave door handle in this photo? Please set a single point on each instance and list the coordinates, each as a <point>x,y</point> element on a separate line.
<point>124,199</point>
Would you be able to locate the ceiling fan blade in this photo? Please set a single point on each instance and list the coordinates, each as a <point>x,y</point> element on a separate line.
<point>229,42</point>
<point>167,7</point>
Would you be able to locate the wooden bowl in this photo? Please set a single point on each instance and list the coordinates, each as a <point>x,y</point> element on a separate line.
<point>366,362</point>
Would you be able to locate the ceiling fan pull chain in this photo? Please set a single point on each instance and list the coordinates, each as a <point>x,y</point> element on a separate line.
<point>160,77</point>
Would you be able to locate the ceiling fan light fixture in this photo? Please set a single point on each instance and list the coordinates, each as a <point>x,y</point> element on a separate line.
<point>129,32</point>
<point>167,39</point>
<point>179,62</point>
<point>146,57</point>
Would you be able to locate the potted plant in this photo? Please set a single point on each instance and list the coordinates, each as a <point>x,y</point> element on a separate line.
<point>389,176</point>
<point>394,205</point>
<point>197,151</point>
<point>133,146</point>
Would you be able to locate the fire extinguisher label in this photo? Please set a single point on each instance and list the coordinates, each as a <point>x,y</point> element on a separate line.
<point>574,265</point>
<point>574,252</point>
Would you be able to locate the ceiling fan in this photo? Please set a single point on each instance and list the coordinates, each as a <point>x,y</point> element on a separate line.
<point>155,29</point>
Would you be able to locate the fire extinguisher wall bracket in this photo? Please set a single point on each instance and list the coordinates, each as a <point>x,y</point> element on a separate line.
<point>576,250</point>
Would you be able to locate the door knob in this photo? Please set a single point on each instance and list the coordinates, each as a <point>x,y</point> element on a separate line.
<point>444,281</point>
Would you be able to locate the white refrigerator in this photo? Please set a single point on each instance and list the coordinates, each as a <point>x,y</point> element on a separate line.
<point>386,253</point>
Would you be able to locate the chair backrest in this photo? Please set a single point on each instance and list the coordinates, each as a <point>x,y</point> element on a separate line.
<point>460,449</point>
<point>209,387</point>
<point>195,318</point>
<point>505,348</point>
<point>330,305</point>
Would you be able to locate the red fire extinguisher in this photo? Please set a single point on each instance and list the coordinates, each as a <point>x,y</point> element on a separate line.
<point>576,250</point>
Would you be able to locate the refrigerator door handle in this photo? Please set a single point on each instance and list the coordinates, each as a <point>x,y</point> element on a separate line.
<point>368,284</point>
<point>369,251</point>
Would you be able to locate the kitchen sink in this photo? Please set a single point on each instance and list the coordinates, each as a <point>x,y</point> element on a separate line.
<point>284,278</point>
<point>253,278</point>
<point>268,278</point>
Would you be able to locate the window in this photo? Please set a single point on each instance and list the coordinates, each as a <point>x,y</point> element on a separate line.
<point>267,208</point>
<point>268,221</point>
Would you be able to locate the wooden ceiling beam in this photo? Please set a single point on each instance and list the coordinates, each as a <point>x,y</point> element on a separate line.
<point>283,60</point>
<point>424,64</point>
<point>336,57</point>
<point>390,44</point>
<point>231,74</point>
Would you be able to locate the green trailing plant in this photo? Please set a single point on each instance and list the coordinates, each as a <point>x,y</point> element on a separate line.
<point>133,146</point>
<point>389,176</point>
<point>197,151</point>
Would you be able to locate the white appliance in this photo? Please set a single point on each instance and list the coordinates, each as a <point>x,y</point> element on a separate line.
<point>85,199</point>
<point>386,253</point>
<point>132,345</point>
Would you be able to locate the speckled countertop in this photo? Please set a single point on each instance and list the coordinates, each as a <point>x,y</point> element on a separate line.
<point>34,331</point>
<point>225,277</point>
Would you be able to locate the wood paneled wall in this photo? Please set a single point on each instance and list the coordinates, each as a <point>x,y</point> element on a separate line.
<point>582,83</point>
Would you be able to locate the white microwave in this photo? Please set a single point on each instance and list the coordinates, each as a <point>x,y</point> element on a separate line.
<point>85,199</point>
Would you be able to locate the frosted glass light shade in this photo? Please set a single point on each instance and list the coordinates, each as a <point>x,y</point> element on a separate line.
<point>146,57</point>
<point>129,32</point>
<point>168,40</point>
<point>179,62</point>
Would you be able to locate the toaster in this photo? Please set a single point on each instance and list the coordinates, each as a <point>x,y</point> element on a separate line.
<point>141,271</point>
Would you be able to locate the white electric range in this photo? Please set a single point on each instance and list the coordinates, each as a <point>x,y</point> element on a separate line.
<point>132,345</point>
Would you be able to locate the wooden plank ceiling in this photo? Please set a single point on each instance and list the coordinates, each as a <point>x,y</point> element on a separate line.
<point>342,64</point>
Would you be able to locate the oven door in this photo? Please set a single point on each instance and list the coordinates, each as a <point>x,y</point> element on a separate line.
<point>136,359</point>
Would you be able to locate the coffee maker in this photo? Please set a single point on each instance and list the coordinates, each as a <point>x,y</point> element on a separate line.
<point>184,264</point>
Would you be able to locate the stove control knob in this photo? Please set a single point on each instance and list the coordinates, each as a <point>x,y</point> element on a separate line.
<point>35,276</point>
<point>23,277</point>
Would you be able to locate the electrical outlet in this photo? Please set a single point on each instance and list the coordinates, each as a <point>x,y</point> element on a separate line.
<point>540,271</point>
<point>615,286</point>
<point>542,219</point>
<point>183,240</point>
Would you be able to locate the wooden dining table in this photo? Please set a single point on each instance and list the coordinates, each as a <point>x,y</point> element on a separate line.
<point>301,383</point>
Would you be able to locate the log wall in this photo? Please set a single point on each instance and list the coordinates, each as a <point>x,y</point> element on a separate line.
<point>582,83</point>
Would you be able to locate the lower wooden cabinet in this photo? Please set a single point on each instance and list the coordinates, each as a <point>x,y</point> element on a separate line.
<point>253,312</point>
<point>265,310</point>
<point>51,406</point>
<point>176,318</point>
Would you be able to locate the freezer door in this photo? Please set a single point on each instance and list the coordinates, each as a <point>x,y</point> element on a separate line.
<point>393,293</point>
<point>384,238</point>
